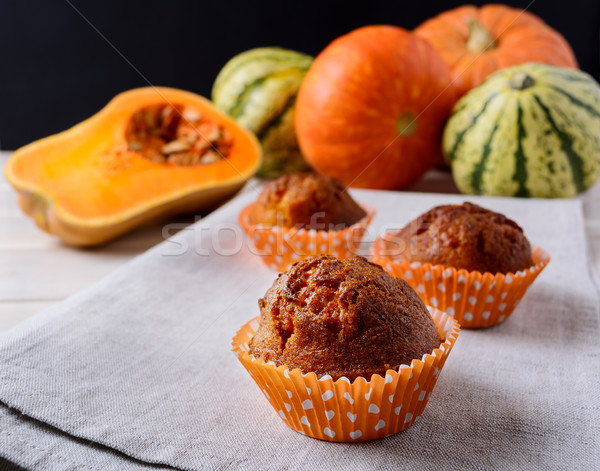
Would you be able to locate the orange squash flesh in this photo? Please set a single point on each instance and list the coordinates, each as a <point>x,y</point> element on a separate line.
<point>85,185</point>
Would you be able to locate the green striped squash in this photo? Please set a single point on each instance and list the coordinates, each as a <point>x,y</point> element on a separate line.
<point>258,88</point>
<point>530,130</point>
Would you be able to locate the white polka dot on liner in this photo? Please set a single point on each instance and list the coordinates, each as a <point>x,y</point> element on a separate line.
<point>304,420</point>
<point>380,425</point>
<point>327,395</point>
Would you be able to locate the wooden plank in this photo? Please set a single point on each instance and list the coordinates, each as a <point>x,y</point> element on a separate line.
<point>19,232</point>
<point>54,274</point>
<point>12,313</point>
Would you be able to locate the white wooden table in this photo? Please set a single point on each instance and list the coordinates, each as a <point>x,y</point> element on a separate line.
<point>37,270</point>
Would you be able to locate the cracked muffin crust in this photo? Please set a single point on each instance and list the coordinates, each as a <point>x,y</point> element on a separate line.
<point>342,318</point>
<point>466,236</point>
<point>306,200</point>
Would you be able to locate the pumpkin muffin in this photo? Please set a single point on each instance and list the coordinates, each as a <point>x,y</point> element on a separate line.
<point>343,351</point>
<point>342,318</point>
<point>306,200</point>
<point>473,263</point>
<point>301,215</point>
<point>466,236</point>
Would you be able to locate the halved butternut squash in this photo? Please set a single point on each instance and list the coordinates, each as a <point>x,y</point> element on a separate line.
<point>150,152</point>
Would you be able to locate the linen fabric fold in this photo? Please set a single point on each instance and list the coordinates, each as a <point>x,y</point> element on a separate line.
<point>137,372</point>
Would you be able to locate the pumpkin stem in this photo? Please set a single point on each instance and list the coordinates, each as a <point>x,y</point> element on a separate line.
<point>521,81</point>
<point>480,38</point>
<point>406,124</point>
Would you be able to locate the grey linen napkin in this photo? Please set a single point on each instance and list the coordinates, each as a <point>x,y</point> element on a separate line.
<point>137,371</point>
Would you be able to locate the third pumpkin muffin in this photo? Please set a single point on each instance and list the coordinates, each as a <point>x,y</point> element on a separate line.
<point>304,214</point>
<point>306,200</point>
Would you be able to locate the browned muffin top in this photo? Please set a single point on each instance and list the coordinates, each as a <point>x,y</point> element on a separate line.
<point>306,200</point>
<point>467,236</point>
<point>343,318</point>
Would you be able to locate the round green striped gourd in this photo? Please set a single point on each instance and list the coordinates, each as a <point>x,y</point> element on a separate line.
<point>530,130</point>
<point>258,88</point>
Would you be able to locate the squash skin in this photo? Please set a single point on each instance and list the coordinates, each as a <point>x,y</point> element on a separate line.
<point>520,37</point>
<point>356,105</point>
<point>539,141</point>
<point>141,190</point>
<point>258,88</point>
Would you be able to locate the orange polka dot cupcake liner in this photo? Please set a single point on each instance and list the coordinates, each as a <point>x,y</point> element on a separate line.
<point>281,247</point>
<point>475,299</point>
<point>341,411</point>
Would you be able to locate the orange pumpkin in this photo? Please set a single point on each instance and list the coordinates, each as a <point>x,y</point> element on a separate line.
<point>371,109</point>
<point>475,42</point>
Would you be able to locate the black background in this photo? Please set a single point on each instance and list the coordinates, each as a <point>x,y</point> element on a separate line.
<point>61,61</point>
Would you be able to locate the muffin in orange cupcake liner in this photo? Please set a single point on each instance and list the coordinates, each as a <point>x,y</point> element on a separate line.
<point>280,247</point>
<point>474,299</point>
<point>340,411</point>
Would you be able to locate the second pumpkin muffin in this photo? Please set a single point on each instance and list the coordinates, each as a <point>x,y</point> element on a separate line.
<point>466,236</point>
